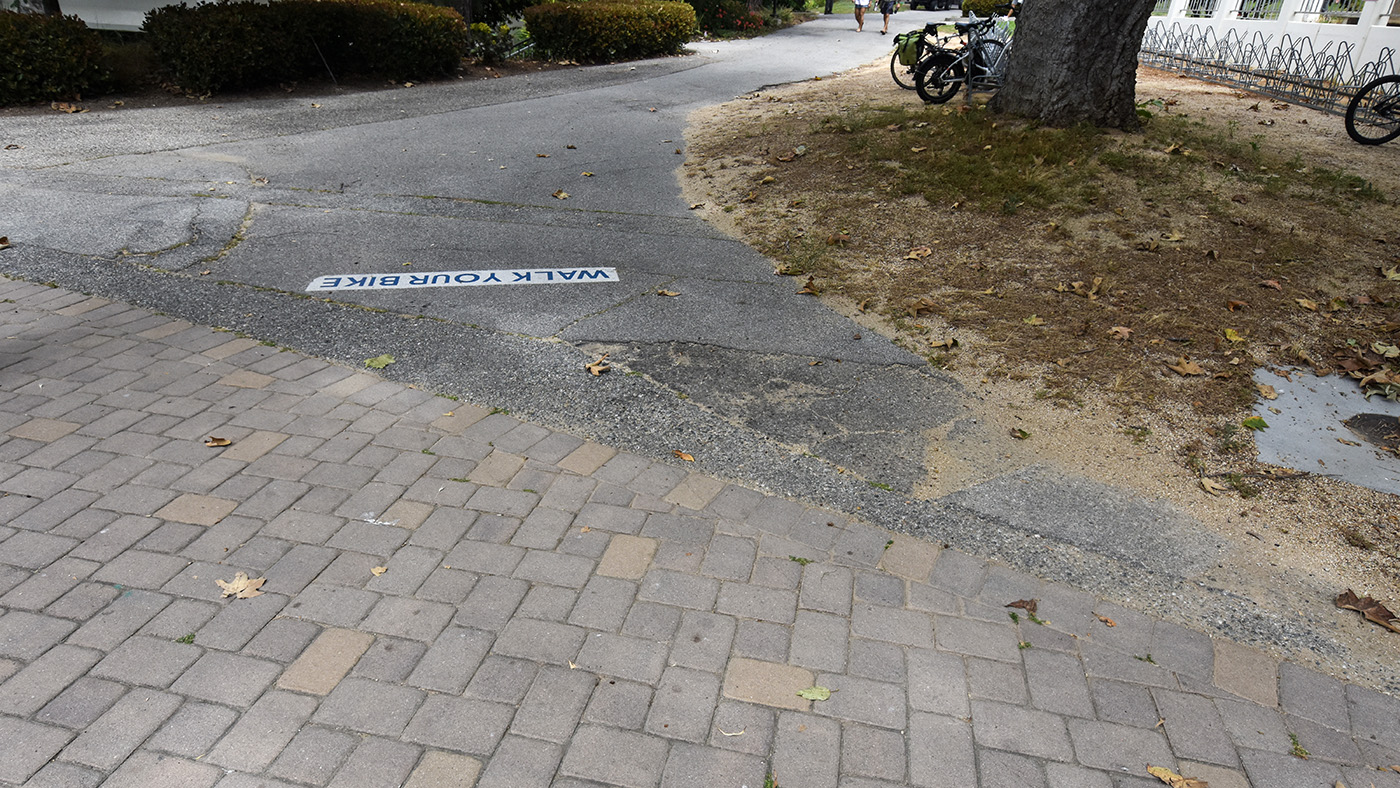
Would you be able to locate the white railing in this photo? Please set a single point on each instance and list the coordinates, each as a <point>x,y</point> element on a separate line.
<point>1366,28</point>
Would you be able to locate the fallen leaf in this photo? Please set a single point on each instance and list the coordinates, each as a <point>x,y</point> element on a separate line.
<point>1255,423</point>
<point>596,368</point>
<point>12,146</point>
<point>379,570</point>
<point>1370,608</point>
<point>1306,303</point>
<point>63,106</point>
<point>810,288</point>
<point>667,293</point>
<point>315,106</point>
<point>919,150</point>
<point>1175,780</point>
<point>1213,487</point>
<point>1233,305</point>
<point>213,441</point>
<point>918,253</point>
<point>682,455</point>
<point>541,155</point>
<point>1034,320</point>
<point>1108,622</point>
<point>586,174</point>
<point>724,732</point>
<point>836,239</point>
<point>1028,605</point>
<point>1120,333</point>
<point>1347,442</point>
<point>1271,283</point>
<point>1390,273</point>
<point>1233,335</point>
<point>571,147</point>
<point>924,305</point>
<point>1019,434</point>
<point>4,242</point>
<point>1184,367</point>
<point>697,206</point>
<point>379,362</point>
<point>1266,391</point>
<point>241,587</point>
<point>814,693</point>
<point>561,195</point>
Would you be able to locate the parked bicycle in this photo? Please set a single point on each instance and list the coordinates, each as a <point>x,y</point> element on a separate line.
<point>910,48</point>
<point>1373,116</point>
<point>980,63</point>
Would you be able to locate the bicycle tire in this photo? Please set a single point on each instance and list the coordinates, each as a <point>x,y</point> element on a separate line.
<point>1373,114</point>
<point>938,77</point>
<point>903,75</point>
<point>989,61</point>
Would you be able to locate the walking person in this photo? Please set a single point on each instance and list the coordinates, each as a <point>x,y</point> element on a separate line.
<point>887,7</point>
<point>860,14</point>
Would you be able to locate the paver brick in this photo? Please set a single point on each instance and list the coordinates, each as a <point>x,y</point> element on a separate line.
<point>502,679</point>
<point>627,557</point>
<point>377,761</point>
<point>826,588</point>
<point>703,641</point>
<point>1015,729</point>
<point>390,660</point>
<point>45,678</point>
<point>110,541</point>
<point>148,770</point>
<point>1312,695</point>
<point>237,624</point>
<point>1105,745</point>
<point>635,659</point>
<point>767,683</point>
<point>227,678</point>
<point>146,661</point>
<point>193,729</point>
<point>491,603</point>
<point>679,589</point>
<point>558,569</point>
<point>1057,683</point>
<point>651,621</point>
<point>460,724</point>
<point>615,519</point>
<point>1246,672</point>
<point>1194,728</point>
<point>313,755</point>
<point>332,605</point>
<point>34,550</point>
<point>757,602</point>
<point>118,732</point>
<point>408,618</point>
<point>552,707</point>
<point>121,619</point>
<point>78,705</point>
<point>683,704</point>
<point>28,746</point>
<point>807,750</point>
<point>440,769</point>
<point>615,757</point>
<point>452,660</point>
<point>372,707</point>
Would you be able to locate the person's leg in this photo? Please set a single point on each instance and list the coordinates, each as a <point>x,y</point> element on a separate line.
<point>885,10</point>
<point>860,18</point>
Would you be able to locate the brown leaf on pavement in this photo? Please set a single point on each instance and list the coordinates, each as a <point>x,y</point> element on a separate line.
<point>682,455</point>
<point>1175,780</point>
<point>378,570</point>
<point>810,288</point>
<point>213,441</point>
<point>598,367</point>
<point>1370,608</point>
<point>1108,622</point>
<point>241,587</point>
<point>4,242</point>
<point>1028,605</point>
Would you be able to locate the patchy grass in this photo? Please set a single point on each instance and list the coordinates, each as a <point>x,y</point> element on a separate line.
<point>1086,259</point>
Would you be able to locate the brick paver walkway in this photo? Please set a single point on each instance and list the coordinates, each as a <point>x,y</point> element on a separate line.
<point>457,598</point>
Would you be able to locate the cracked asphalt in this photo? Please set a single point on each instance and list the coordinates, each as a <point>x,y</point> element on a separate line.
<point>267,195</point>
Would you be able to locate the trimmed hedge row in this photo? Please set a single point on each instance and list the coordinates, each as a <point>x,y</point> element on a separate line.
<point>43,58</point>
<point>220,46</point>
<point>605,30</point>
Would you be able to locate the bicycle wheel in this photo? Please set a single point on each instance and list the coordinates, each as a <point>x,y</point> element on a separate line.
<point>903,75</point>
<point>988,63</point>
<point>938,77</point>
<point>1373,116</point>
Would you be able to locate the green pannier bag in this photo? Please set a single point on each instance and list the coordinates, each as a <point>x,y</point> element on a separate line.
<point>907,45</point>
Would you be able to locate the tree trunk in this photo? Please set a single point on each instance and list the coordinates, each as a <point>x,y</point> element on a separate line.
<point>1075,61</point>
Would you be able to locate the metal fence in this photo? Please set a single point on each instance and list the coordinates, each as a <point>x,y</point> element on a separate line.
<point>1258,9</point>
<point>1340,11</point>
<point>1161,8</point>
<point>1292,69</point>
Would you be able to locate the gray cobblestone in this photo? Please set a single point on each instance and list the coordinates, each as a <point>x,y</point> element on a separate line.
<point>819,641</point>
<point>807,750</point>
<point>460,724</point>
<point>118,732</point>
<point>1014,729</point>
<point>624,657</point>
<point>377,762</point>
<point>491,602</point>
<point>761,640</point>
<point>313,755</point>
<point>615,757</point>
<point>1105,745</point>
<point>703,641</point>
<point>651,621</point>
<point>449,663</point>
<point>79,704</point>
<point>683,704</point>
<point>146,661</point>
<point>193,729</point>
<point>389,660</point>
<point>1057,683</point>
<point>873,659</point>
<point>674,588</point>
<point>28,747</point>
<point>862,700</point>
<point>371,707</point>
<point>227,678</point>
<point>502,680</point>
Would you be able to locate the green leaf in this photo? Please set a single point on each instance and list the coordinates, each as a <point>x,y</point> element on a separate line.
<point>379,362</point>
<point>814,693</point>
<point>1255,423</point>
<point>1233,335</point>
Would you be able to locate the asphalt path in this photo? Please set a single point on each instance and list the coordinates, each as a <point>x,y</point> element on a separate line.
<point>224,213</point>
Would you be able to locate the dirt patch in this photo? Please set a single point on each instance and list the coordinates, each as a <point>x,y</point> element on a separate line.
<point>1060,279</point>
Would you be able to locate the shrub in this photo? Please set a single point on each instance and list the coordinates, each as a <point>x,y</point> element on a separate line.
<point>604,30</point>
<point>246,44</point>
<point>491,45</point>
<point>43,58</point>
<point>981,7</point>
<point>488,12</point>
<point>715,15</point>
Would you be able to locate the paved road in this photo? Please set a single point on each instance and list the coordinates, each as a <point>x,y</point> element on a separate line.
<point>139,205</point>
<point>455,597</point>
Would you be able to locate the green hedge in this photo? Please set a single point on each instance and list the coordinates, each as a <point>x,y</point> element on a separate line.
<point>229,45</point>
<point>605,30</point>
<point>44,58</point>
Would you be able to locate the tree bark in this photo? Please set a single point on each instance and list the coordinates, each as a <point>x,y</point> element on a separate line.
<point>1075,61</point>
